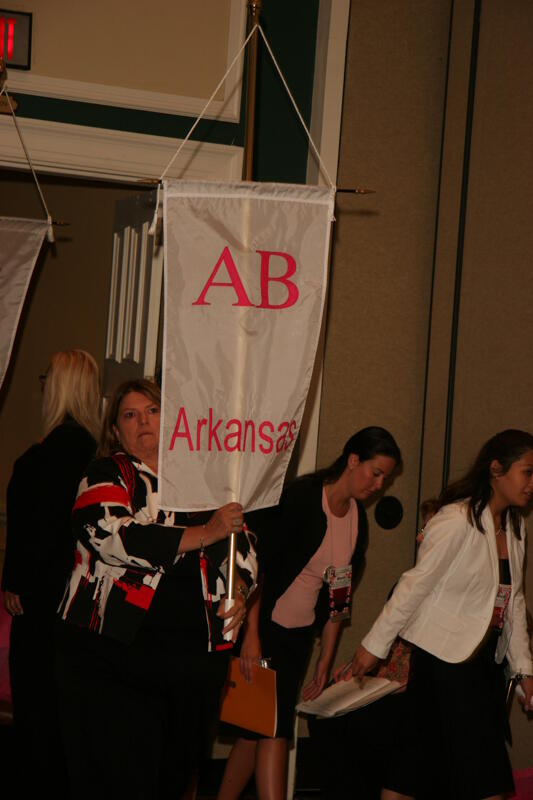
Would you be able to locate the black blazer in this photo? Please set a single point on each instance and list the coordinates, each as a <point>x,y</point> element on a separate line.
<point>40,496</point>
<point>290,534</point>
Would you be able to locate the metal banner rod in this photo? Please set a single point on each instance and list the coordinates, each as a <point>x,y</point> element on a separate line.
<point>231,566</point>
<point>254,11</point>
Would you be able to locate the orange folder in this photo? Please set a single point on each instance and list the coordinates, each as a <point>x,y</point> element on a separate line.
<point>251,706</point>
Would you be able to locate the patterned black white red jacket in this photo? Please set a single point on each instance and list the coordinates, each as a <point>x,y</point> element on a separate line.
<point>124,546</point>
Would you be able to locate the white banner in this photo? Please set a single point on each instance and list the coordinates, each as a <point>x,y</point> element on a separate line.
<point>20,243</point>
<point>245,281</point>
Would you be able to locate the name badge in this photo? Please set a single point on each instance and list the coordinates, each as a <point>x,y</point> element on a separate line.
<point>500,605</point>
<point>339,581</point>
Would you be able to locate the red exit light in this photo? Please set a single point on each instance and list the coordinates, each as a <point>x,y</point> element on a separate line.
<point>15,38</point>
<point>7,36</point>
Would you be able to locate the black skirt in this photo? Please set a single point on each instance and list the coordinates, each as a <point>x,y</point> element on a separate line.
<point>373,748</point>
<point>462,723</point>
<point>289,650</point>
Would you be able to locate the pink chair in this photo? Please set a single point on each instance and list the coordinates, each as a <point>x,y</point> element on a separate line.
<point>523,780</point>
<point>6,710</point>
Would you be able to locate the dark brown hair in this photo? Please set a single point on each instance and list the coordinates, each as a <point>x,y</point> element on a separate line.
<point>505,448</point>
<point>109,442</point>
<point>366,443</point>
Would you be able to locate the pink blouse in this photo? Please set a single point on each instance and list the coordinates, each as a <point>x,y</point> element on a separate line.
<point>296,606</point>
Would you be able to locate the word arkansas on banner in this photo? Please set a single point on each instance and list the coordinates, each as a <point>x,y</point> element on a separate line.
<point>245,281</point>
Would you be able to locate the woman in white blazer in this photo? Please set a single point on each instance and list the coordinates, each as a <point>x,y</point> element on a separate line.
<point>463,607</point>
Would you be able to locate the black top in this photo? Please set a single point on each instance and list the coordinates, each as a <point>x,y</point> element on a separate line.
<point>505,571</point>
<point>177,612</point>
<point>40,496</point>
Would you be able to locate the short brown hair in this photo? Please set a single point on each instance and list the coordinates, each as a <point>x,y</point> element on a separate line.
<point>109,442</point>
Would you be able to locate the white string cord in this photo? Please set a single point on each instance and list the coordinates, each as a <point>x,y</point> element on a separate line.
<point>50,233</point>
<point>178,151</point>
<point>152,230</point>
<point>293,101</point>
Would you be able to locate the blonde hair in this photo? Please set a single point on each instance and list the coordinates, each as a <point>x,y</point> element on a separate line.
<point>109,442</point>
<point>72,389</point>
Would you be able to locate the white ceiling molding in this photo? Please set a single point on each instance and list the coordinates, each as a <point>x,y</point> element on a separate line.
<point>227,110</point>
<point>112,155</point>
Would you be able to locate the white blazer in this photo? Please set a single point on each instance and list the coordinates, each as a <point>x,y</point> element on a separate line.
<point>444,604</point>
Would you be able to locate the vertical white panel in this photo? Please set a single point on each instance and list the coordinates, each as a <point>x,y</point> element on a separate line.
<point>121,301</point>
<point>130,279</point>
<point>142,276</point>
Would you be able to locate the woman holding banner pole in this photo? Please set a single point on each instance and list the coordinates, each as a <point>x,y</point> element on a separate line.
<point>311,552</point>
<point>142,655</point>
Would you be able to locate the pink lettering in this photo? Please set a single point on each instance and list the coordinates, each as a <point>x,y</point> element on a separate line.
<point>280,444</point>
<point>292,433</point>
<point>213,432</point>
<point>234,281</point>
<point>235,435</point>
<point>186,434</point>
<point>249,425</point>
<point>266,278</point>
<point>265,437</point>
<point>199,425</point>
<point>216,433</point>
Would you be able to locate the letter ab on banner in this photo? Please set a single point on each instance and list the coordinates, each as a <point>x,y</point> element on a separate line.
<point>245,281</point>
